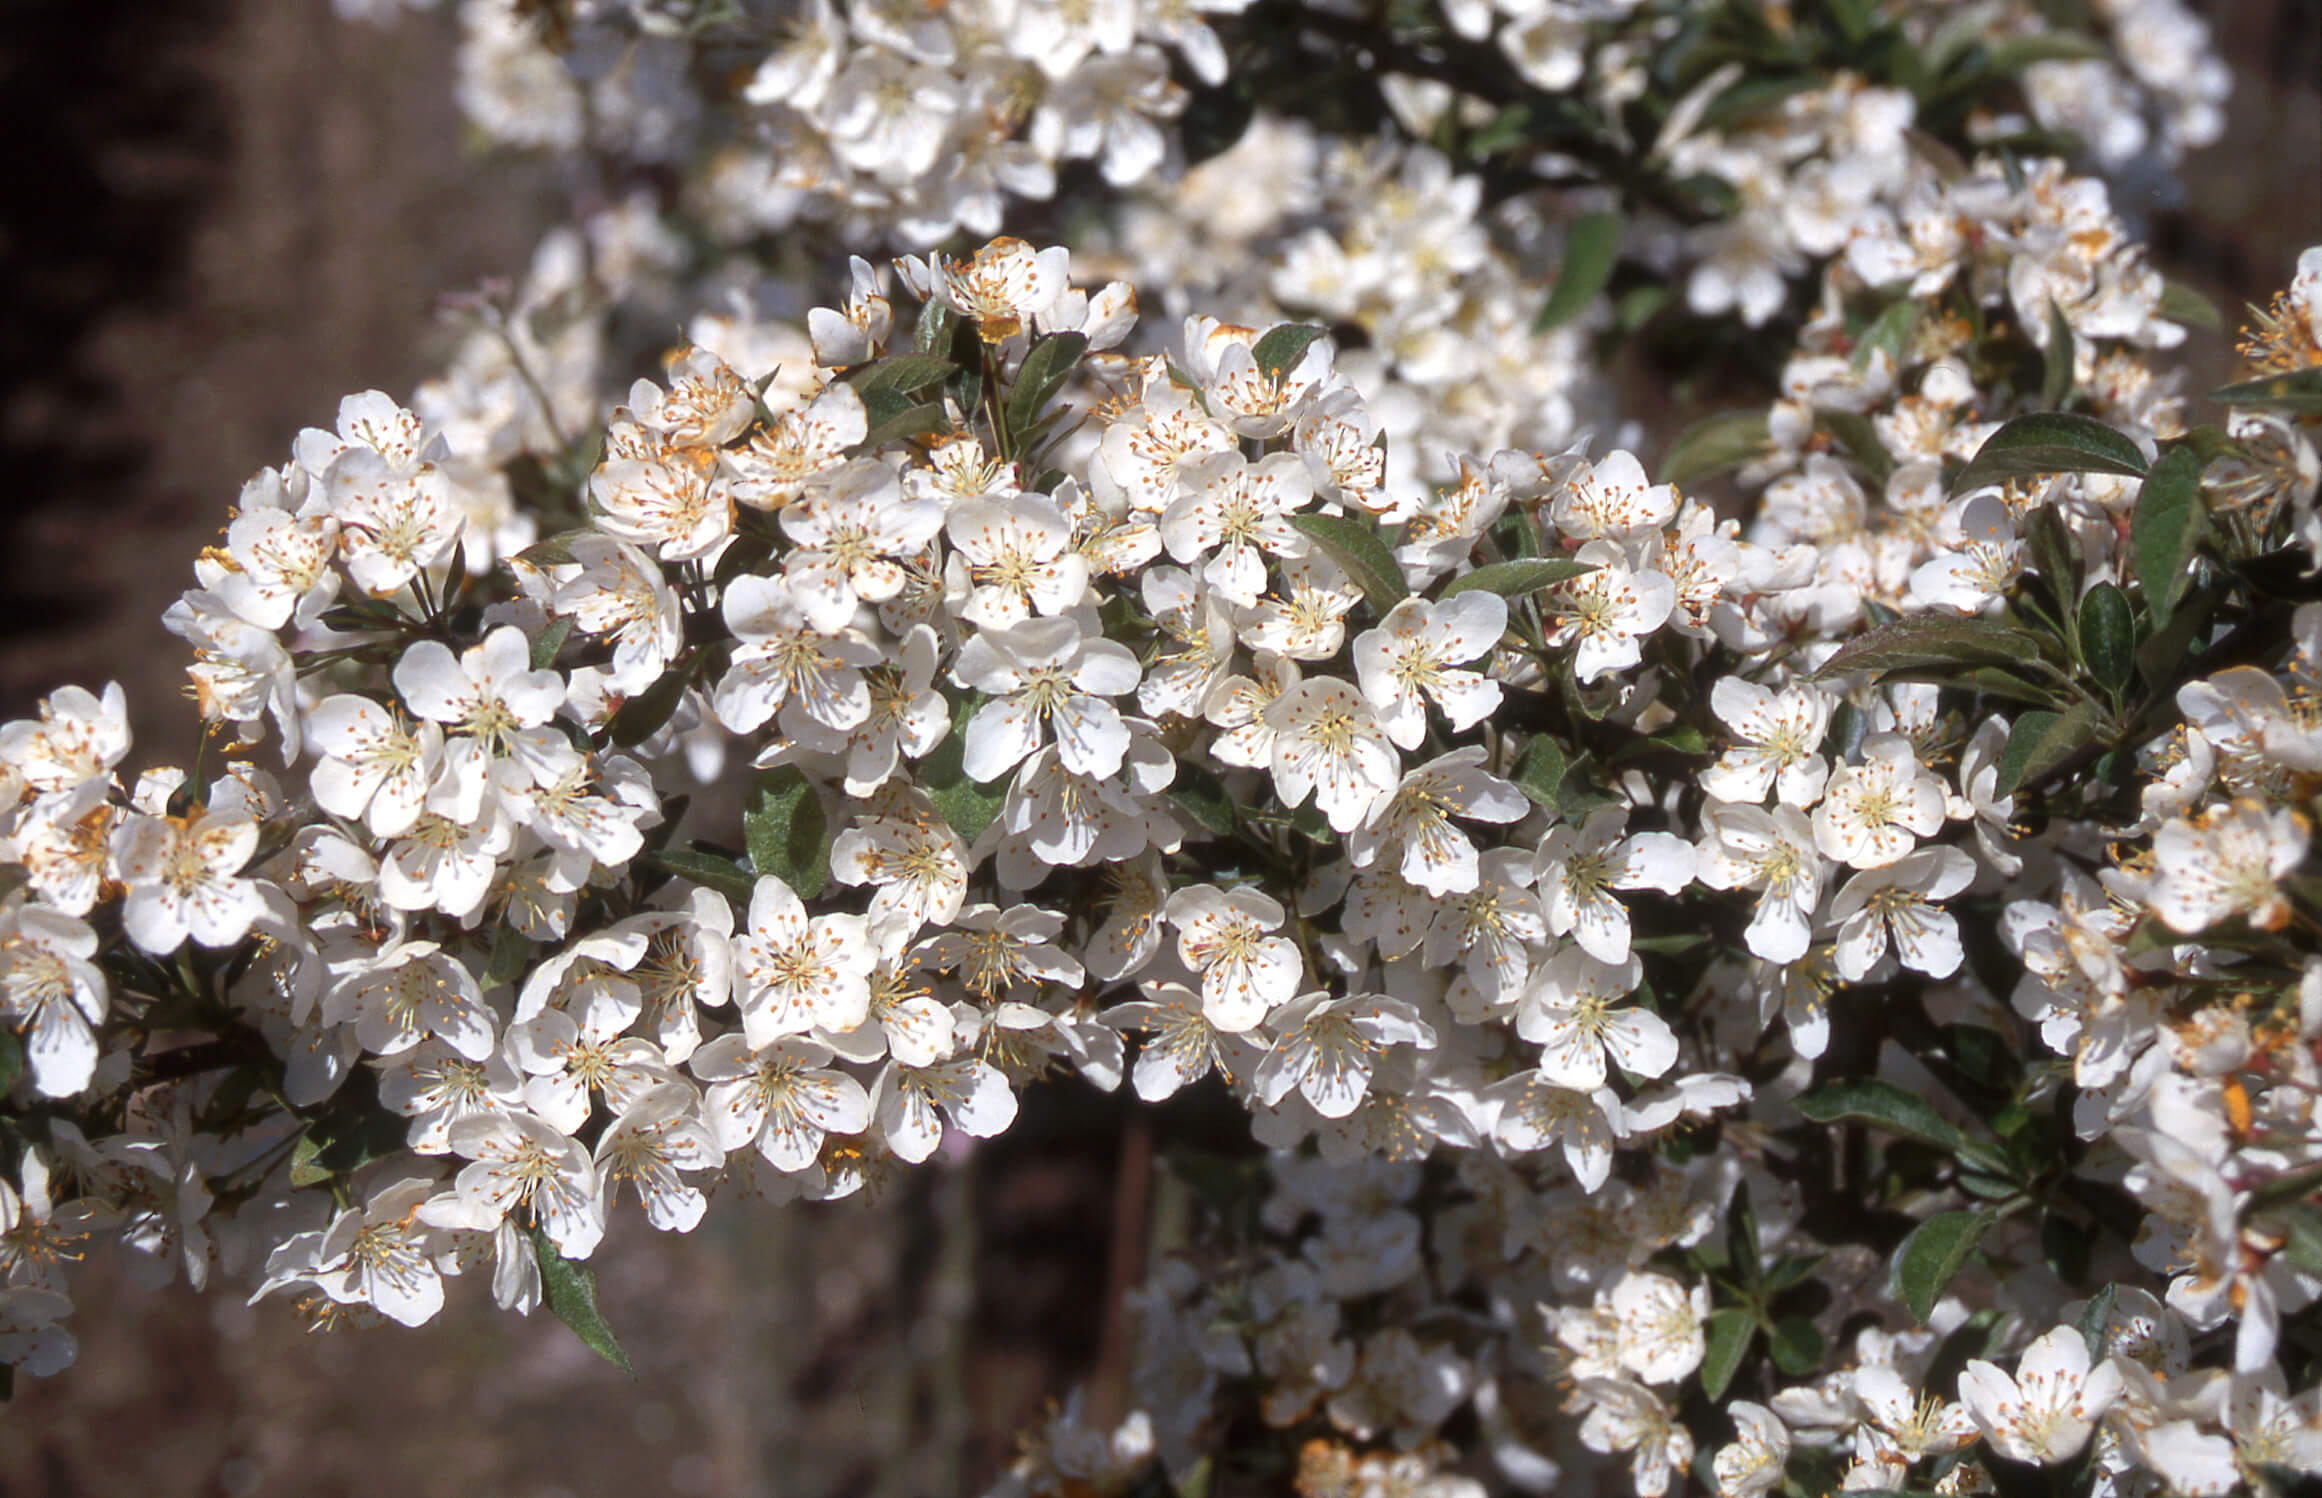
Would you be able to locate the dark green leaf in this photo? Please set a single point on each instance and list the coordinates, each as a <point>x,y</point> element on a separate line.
<point>549,642</point>
<point>2301,1225</point>
<point>2166,530</point>
<point>1753,96</point>
<point>511,954</point>
<point>1797,1346</point>
<point>1360,554</point>
<point>783,827</point>
<point>571,1292</point>
<point>1591,245</point>
<point>2108,636</point>
<point>2055,556</point>
<point>967,806</point>
<point>2096,1323</point>
<point>1196,1481</point>
<point>1514,579</point>
<point>2300,392</point>
<point>1883,1104</point>
<point>550,551</point>
<point>11,1061</point>
<point>2056,372</point>
<point>1741,1239</point>
<point>1541,770</point>
<point>1853,431</point>
<point>1714,444</point>
<point>898,424</point>
<point>2050,442</point>
<point>1933,640</point>
<point>934,330</point>
<point>1280,349</point>
<point>1923,1267</point>
<point>1792,1269</point>
<point>1890,332</point>
<point>1203,799</point>
<point>2181,303</point>
<point>2041,741</point>
<point>2064,1248</point>
<point>1047,365</point>
<point>902,373</point>
<point>643,715</point>
<point>1728,1336</point>
<point>710,871</point>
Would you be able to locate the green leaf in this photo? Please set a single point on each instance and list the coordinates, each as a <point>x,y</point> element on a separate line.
<point>2096,1322</point>
<point>1360,554</point>
<point>549,551</point>
<point>1885,1105</point>
<point>511,954</point>
<point>2040,741</point>
<point>1591,245</point>
<point>1196,1481</point>
<point>1797,1346</point>
<point>2050,442</point>
<point>1853,431</point>
<point>902,373</point>
<point>1933,640</point>
<point>2181,303</point>
<point>550,641</point>
<point>1203,799</point>
<point>900,422</point>
<point>1923,1267</point>
<point>2108,636</point>
<point>1714,444</point>
<point>1890,331</point>
<point>1728,1336</point>
<point>783,827</point>
<point>2301,1225</point>
<point>2016,53</point>
<point>1047,365</point>
<point>934,329</point>
<point>1541,770</point>
<point>1741,1240</point>
<point>11,1061</point>
<point>2056,371</point>
<point>2300,391</point>
<point>571,1292</point>
<point>967,806</point>
<point>1514,579</point>
<point>643,715</point>
<point>2166,530</point>
<point>1280,349</point>
<point>710,871</point>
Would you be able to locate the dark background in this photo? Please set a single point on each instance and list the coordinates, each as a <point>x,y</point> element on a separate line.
<point>217,217</point>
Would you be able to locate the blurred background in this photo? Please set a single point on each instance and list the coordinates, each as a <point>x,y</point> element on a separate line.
<point>221,216</point>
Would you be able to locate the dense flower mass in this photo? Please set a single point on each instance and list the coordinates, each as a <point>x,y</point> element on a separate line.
<point>1820,991</point>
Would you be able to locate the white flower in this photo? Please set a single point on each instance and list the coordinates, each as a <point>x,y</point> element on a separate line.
<point>618,592</point>
<point>1328,745</point>
<point>182,877</point>
<point>1900,899</point>
<point>1045,675</point>
<point>655,1137</point>
<point>671,499</point>
<point>1605,613</point>
<point>1761,1448</point>
<point>1579,867</point>
<point>791,453</point>
<point>77,738</point>
<point>492,705</point>
<point>793,973</point>
<point>908,717</point>
<point>993,950</point>
<point>2225,862</point>
<point>1327,1048</point>
<point>1659,1336</point>
<point>1780,736</point>
<point>1871,809</point>
<point>523,1162</point>
<point>1002,287</point>
<point>375,765</point>
<point>919,865</point>
<point>1623,1416</point>
<point>380,1255</point>
<point>1567,1012</point>
<point>1245,973</point>
<point>783,663</point>
<point>571,1054</point>
<point>1234,514</point>
<point>1612,499</point>
<point>910,1104</point>
<point>53,994</point>
<point>1747,847</point>
<point>1020,557</point>
<point>408,992</point>
<point>1437,856</point>
<point>852,530</point>
<point>1182,1046</point>
<point>1410,657</point>
<point>2045,1412</point>
<point>1535,1113</point>
<point>783,1099</point>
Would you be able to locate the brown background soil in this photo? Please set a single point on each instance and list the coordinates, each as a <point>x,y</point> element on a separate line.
<point>221,215</point>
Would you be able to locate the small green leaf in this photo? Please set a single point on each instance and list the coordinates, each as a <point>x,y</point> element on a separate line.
<point>549,642</point>
<point>2096,1322</point>
<point>1360,554</point>
<point>2108,636</point>
<point>1932,640</point>
<point>2181,303</point>
<point>1728,1337</point>
<point>2301,1225</point>
<point>1047,365</point>
<point>643,715</point>
<point>2050,442</point>
<point>1792,1269</point>
<point>2056,372</point>
<point>2016,53</point>
<point>1591,245</point>
<point>967,806</point>
<point>1924,1266</point>
<point>1196,1481</point>
<point>571,1292</point>
<point>2040,741</point>
<point>1203,799</point>
<point>1714,444</point>
<point>1890,332</point>
<point>890,423</point>
<point>1541,770</point>
<point>1883,1104</point>
<point>2300,391</point>
<point>2166,530</point>
<point>784,829</point>
<point>549,551</point>
<point>1796,1346</point>
<point>934,330</point>
<point>1514,579</point>
<point>710,871</point>
<point>11,1061</point>
<point>511,954</point>
<point>1853,431</point>
<point>1741,1240</point>
<point>305,1167</point>
<point>902,373</point>
<point>1280,348</point>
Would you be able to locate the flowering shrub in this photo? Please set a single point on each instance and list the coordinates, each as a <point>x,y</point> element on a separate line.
<point>1823,997</point>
